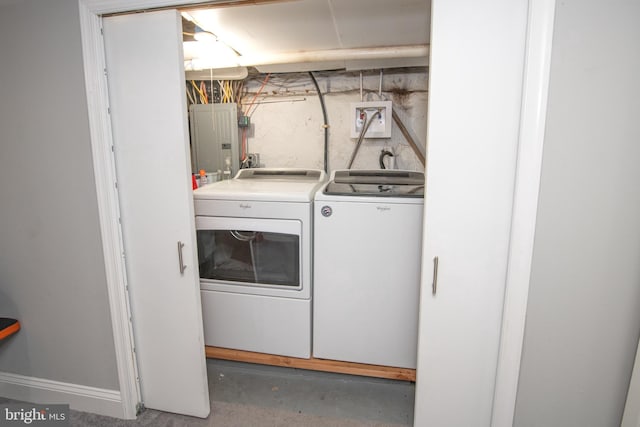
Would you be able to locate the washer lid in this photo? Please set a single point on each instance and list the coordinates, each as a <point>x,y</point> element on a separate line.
<point>378,183</point>
<point>281,174</point>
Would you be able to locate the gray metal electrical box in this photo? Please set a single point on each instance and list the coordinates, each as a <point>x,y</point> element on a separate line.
<point>214,137</point>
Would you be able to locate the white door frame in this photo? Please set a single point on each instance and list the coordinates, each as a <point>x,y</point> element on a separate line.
<point>535,88</point>
<point>525,206</point>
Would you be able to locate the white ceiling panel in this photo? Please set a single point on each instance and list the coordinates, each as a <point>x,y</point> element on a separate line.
<point>299,26</point>
<point>274,27</point>
<point>368,23</point>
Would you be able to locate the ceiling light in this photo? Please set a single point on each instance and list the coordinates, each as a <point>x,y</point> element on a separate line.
<point>200,55</point>
<point>204,36</point>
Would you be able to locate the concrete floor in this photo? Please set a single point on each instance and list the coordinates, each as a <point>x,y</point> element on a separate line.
<point>370,400</point>
<point>247,395</point>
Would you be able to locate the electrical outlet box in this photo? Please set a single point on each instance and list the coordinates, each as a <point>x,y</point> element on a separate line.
<point>253,160</point>
<point>363,112</point>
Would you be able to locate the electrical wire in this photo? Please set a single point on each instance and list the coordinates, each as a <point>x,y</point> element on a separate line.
<point>197,89</point>
<point>264,82</point>
<point>225,90</point>
<point>384,153</point>
<point>326,122</point>
<point>237,89</point>
<point>194,92</point>
<point>213,98</point>
<point>222,93</point>
<point>203,93</point>
<point>190,97</point>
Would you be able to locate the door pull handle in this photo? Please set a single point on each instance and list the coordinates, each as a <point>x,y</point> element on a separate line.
<point>434,285</point>
<point>180,260</point>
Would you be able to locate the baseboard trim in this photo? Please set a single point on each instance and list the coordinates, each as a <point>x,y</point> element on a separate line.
<point>78,397</point>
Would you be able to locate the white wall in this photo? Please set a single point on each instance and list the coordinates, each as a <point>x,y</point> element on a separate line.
<point>52,274</point>
<point>287,127</point>
<point>583,317</point>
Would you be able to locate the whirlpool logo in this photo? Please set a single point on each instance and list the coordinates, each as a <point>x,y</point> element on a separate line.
<point>326,211</point>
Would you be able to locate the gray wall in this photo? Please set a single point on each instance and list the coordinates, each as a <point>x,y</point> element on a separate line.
<point>51,268</point>
<point>583,317</point>
<point>584,308</point>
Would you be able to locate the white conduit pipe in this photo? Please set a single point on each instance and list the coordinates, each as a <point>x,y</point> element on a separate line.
<point>412,51</point>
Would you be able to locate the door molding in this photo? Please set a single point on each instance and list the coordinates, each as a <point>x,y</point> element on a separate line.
<point>523,221</point>
<point>90,13</point>
<point>525,206</point>
<point>108,206</point>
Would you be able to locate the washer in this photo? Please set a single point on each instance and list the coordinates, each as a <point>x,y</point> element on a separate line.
<point>254,236</point>
<point>367,257</point>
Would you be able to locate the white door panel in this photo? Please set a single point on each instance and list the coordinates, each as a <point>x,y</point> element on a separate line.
<point>150,133</point>
<point>475,86</point>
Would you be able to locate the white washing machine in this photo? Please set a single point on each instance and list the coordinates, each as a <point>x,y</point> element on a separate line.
<point>367,258</point>
<point>254,236</point>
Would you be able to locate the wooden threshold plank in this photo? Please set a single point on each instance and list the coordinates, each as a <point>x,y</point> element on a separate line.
<point>312,364</point>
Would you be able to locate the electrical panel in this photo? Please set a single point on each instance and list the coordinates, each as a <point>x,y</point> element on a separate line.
<point>376,115</point>
<point>214,137</point>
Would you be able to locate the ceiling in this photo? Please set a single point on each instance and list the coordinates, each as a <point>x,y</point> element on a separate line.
<point>306,35</point>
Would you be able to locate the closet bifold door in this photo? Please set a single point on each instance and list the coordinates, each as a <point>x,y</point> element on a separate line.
<point>146,83</point>
<point>473,124</point>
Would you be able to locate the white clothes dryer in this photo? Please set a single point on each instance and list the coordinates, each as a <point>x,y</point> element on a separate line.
<point>254,235</point>
<point>367,257</point>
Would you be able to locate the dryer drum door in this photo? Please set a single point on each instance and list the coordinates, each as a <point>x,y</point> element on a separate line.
<point>249,252</point>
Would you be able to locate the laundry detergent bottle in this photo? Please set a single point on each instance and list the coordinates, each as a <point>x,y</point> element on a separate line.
<point>203,177</point>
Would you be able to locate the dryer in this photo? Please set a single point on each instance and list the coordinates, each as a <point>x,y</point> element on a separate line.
<point>367,257</point>
<point>254,235</point>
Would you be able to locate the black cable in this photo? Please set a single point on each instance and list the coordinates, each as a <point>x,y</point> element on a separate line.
<point>326,123</point>
<point>383,154</point>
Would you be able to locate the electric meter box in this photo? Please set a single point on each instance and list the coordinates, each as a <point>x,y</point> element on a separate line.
<point>214,137</point>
